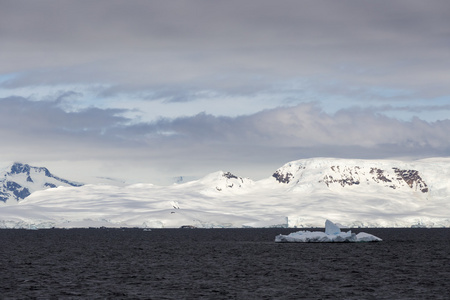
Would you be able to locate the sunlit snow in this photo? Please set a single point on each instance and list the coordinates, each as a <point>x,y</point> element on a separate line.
<point>304,193</point>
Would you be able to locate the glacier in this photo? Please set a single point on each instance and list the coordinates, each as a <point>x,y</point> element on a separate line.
<point>332,234</point>
<point>300,194</point>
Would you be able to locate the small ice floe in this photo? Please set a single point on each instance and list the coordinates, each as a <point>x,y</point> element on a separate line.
<point>332,234</point>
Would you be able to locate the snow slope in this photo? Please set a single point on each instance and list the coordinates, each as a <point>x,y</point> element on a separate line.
<point>303,193</point>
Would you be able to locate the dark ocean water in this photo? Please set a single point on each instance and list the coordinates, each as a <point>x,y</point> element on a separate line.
<point>220,264</point>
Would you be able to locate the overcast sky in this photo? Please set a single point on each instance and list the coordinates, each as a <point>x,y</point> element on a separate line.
<point>151,90</point>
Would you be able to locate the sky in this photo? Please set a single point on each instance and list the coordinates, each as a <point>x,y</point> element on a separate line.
<point>148,91</point>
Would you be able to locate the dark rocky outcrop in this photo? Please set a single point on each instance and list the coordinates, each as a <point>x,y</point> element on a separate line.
<point>412,179</point>
<point>283,178</point>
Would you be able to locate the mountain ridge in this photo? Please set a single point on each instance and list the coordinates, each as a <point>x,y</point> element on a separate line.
<point>19,180</point>
<point>301,193</point>
<point>393,174</point>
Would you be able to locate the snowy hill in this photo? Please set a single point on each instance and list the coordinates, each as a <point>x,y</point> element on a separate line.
<point>19,180</point>
<point>303,193</point>
<point>221,183</point>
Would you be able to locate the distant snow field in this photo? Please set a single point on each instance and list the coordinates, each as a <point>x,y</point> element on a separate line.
<point>303,193</point>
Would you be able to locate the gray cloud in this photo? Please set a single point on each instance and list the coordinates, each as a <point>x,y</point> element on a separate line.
<point>229,46</point>
<point>418,108</point>
<point>307,126</point>
<point>23,114</point>
<point>37,129</point>
<point>301,126</point>
<point>253,144</point>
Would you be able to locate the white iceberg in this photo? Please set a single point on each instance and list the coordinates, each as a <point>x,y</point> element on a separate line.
<point>332,234</point>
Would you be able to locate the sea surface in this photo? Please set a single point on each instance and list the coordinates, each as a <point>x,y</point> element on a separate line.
<point>221,264</point>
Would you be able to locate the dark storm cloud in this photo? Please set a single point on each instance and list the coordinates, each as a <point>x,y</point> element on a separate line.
<point>227,45</point>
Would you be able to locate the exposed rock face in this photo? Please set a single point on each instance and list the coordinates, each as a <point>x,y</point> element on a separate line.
<point>397,178</point>
<point>352,175</point>
<point>282,178</point>
<point>18,192</point>
<point>230,181</point>
<point>412,178</point>
<point>20,180</point>
<point>229,175</point>
<point>288,173</point>
<point>379,175</point>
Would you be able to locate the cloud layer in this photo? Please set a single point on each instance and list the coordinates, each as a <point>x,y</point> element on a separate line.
<point>194,146</point>
<point>232,46</point>
<point>167,88</point>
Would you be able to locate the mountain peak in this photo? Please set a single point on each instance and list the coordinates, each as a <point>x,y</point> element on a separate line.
<point>21,168</point>
<point>20,180</point>
<point>221,181</point>
<point>18,167</point>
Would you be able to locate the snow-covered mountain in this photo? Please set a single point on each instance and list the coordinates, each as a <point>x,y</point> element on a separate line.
<point>346,173</point>
<point>303,193</point>
<point>19,180</point>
